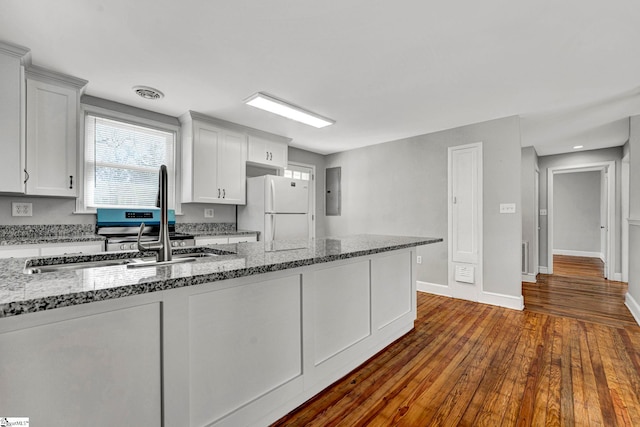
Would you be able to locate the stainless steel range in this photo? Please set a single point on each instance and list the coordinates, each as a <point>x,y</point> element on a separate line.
<point>120,227</point>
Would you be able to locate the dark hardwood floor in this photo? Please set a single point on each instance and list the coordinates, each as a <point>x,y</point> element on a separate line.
<point>578,289</point>
<point>470,364</point>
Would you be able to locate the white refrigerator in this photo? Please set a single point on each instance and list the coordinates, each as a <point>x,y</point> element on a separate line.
<point>277,207</point>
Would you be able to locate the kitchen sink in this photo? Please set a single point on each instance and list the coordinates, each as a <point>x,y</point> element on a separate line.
<point>129,262</point>
<point>75,266</point>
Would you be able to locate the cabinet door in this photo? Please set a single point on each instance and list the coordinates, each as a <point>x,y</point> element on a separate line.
<point>232,156</point>
<point>51,139</point>
<point>205,163</point>
<point>262,151</point>
<point>242,239</point>
<point>12,160</point>
<point>72,248</point>
<point>204,240</point>
<point>278,154</point>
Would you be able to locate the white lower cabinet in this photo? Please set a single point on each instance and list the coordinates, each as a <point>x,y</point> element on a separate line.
<point>102,369</point>
<point>51,249</point>
<point>217,240</point>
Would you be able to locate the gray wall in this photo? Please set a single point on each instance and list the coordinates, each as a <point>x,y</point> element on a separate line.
<point>634,209</point>
<point>400,187</point>
<point>576,204</point>
<point>574,159</point>
<point>318,160</point>
<point>528,177</point>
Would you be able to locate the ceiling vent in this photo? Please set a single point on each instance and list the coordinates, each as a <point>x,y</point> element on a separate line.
<point>147,92</point>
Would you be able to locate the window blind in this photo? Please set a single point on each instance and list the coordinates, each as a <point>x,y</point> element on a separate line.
<point>122,161</point>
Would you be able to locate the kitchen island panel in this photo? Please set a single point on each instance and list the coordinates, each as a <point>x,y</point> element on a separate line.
<point>102,369</point>
<point>244,342</point>
<point>391,298</point>
<point>341,308</point>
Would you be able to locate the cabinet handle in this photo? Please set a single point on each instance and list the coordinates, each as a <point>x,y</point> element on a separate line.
<point>26,176</point>
<point>218,193</point>
<point>71,182</point>
<point>224,194</point>
<point>270,156</point>
<point>267,156</point>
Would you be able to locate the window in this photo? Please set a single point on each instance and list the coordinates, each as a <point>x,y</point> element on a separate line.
<point>122,161</point>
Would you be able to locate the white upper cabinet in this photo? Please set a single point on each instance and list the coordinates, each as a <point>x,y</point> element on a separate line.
<point>52,133</point>
<point>38,127</point>
<point>271,152</point>
<point>213,161</point>
<point>12,160</point>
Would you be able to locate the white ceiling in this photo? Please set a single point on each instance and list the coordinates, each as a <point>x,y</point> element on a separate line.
<point>383,70</point>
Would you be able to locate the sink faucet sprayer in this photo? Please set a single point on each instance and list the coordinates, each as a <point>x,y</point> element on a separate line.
<point>162,246</point>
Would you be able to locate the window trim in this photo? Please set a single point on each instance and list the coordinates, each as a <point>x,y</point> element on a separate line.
<point>87,109</point>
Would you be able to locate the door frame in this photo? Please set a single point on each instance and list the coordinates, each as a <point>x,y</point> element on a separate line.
<point>610,167</point>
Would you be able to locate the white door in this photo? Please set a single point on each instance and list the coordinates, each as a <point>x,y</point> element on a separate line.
<point>465,221</point>
<point>306,173</point>
<point>286,227</point>
<point>286,195</point>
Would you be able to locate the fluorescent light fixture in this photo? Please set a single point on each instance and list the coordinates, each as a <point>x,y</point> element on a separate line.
<point>288,110</point>
<point>577,147</point>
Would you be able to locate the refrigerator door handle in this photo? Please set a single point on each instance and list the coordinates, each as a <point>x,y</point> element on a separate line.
<point>272,189</point>
<point>273,227</point>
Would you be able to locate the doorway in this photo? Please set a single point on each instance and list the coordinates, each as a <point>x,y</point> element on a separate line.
<point>305,172</point>
<point>607,212</point>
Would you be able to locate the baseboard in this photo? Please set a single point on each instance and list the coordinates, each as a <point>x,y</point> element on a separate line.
<point>543,270</point>
<point>501,300</point>
<point>433,288</point>
<point>617,277</point>
<point>633,307</point>
<point>529,278</point>
<point>578,253</point>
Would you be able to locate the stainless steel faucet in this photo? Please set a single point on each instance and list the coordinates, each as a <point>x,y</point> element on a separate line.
<point>162,247</point>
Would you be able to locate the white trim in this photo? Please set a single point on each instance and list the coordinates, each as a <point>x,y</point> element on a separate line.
<point>433,288</point>
<point>610,167</point>
<point>634,222</point>
<point>542,269</point>
<point>529,278</point>
<point>617,277</point>
<point>586,254</point>
<point>501,300</point>
<point>633,307</point>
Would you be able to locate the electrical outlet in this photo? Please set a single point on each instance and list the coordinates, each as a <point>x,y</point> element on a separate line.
<point>208,213</point>
<point>507,208</point>
<point>419,259</point>
<point>21,209</point>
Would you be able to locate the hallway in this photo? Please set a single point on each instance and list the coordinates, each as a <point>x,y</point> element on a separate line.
<point>577,289</point>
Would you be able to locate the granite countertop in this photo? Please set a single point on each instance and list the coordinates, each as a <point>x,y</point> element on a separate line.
<point>69,233</point>
<point>22,293</point>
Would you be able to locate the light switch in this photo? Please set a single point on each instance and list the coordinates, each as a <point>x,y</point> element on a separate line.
<point>507,208</point>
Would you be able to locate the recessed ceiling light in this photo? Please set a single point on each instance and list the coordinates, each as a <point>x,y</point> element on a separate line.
<point>577,147</point>
<point>288,110</point>
<point>147,92</point>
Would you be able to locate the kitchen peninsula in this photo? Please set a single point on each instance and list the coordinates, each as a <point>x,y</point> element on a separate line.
<point>240,338</point>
